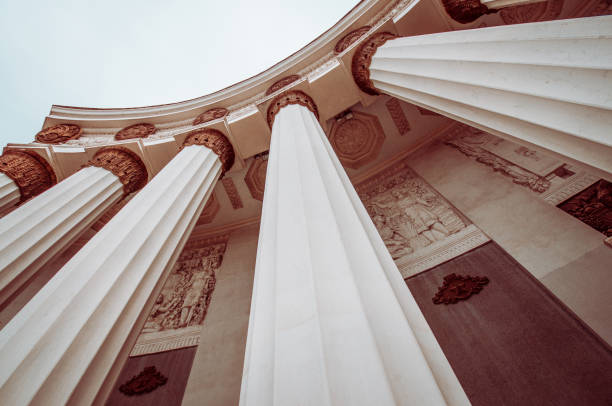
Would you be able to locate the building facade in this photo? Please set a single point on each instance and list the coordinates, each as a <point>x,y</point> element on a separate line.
<point>415,208</point>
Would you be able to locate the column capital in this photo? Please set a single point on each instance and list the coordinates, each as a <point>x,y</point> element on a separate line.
<point>59,134</point>
<point>214,140</point>
<point>31,172</point>
<point>287,98</point>
<point>123,163</point>
<point>362,59</point>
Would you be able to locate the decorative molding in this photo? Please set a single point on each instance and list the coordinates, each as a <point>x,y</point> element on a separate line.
<point>287,98</point>
<point>58,134</point>
<point>255,177</point>
<point>124,164</point>
<point>350,38</point>
<point>362,58</point>
<point>210,210</point>
<point>211,114</point>
<point>574,185</point>
<point>465,11</point>
<point>180,309</point>
<point>279,84</point>
<point>426,112</point>
<point>356,138</point>
<point>397,114</point>
<point>232,193</point>
<point>528,13</point>
<point>214,140</point>
<point>30,172</point>
<point>140,130</point>
<point>592,206</point>
<point>196,242</point>
<point>457,287</point>
<point>460,139</point>
<point>145,382</point>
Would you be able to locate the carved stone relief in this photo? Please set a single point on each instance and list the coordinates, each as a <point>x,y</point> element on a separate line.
<point>592,206</point>
<point>210,210</point>
<point>457,287</point>
<point>279,84</point>
<point>145,382</point>
<point>179,311</point>
<point>58,134</point>
<point>350,38</point>
<point>209,115</point>
<point>419,228</point>
<point>362,58</point>
<point>479,145</point>
<point>140,130</point>
<point>125,164</point>
<point>357,138</point>
<point>542,11</point>
<point>232,193</point>
<point>287,98</point>
<point>30,172</point>
<point>397,114</point>
<point>255,177</point>
<point>465,11</point>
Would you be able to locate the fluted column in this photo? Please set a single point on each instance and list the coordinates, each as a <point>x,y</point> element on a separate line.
<point>34,233</point>
<point>76,332</point>
<point>9,192</point>
<point>332,322</point>
<point>547,83</point>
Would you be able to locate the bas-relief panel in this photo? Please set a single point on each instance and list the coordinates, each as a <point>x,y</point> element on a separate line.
<point>179,311</point>
<point>418,226</point>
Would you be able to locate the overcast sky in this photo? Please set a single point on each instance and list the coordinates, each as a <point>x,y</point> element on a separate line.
<point>136,53</point>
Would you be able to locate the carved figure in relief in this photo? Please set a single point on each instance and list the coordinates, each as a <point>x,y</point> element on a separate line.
<point>397,244</point>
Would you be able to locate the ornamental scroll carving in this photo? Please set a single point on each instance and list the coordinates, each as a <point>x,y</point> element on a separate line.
<point>125,164</point>
<point>592,206</point>
<point>145,382</point>
<point>351,38</point>
<point>209,115</point>
<point>30,172</point>
<point>180,310</point>
<point>357,138</point>
<point>140,130</point>
<point>287,98</point>
<point>214,140</point>
<point>58,134</point>
<point>279,84</point>
<point>465,11</point>
<point>457,287</point>
<point>362,58</point>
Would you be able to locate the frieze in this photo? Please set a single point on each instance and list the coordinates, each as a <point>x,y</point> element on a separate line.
<point>214,140</point>
<point>125,164</point>
<point>465,11</point>
<point>232,193</point>
<point>457,287</point>
<point>58,134</point>
<point>592,206</point>
<point>351,38</point>
<point>287,98</point>
<point>279,84</point>
<point>362,58</point>
<point>30,172</point>
<point>211,114</point>
<point>145,382</point>
<point>397,115</point>
<point>140,130</point>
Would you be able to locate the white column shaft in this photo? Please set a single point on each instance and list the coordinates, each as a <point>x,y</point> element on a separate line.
<point>34,233</point>
<point>547,83</point>
<point>79,328</point>
<point>332,322</point>
<point>9,192</point>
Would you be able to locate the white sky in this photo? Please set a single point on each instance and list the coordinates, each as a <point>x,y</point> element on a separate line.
<point>141,52</point>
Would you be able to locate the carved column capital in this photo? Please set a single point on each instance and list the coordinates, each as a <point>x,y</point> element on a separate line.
<point>287,98</point>
<point>123,163</point>
<point>216,141</point>
<point>32,174</point>
<point>59,134</point>
<point>362,59</point>
<point>465,11</point>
